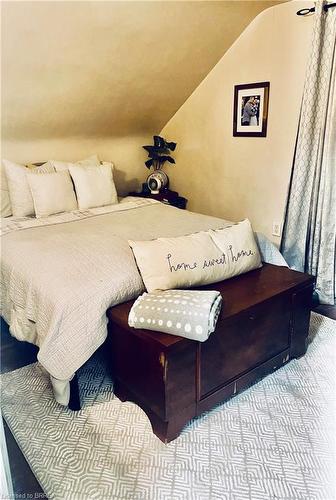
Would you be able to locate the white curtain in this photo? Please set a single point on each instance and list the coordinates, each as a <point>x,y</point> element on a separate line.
<point>309,236</point>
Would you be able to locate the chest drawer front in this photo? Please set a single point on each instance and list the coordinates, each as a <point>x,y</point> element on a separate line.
<point>241,343</point>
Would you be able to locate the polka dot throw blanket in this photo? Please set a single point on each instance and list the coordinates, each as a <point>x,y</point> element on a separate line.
<point>188,313</point>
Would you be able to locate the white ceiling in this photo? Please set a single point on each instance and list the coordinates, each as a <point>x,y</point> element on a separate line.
<point>109,68</point>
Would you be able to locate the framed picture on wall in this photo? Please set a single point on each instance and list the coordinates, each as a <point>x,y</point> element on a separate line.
<point>250,109</point>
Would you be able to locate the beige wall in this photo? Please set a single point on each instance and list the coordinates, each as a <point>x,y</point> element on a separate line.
<point>126,153</point>
<point>110,68</point>
<point>85,77</point>
<point>237,177</point>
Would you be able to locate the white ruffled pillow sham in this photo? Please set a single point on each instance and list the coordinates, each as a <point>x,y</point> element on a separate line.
<point>197,259</point>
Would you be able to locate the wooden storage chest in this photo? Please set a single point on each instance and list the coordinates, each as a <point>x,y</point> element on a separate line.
<point>263,324</point>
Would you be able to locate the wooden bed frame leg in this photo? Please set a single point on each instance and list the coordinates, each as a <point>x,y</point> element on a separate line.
<point>74,402</point>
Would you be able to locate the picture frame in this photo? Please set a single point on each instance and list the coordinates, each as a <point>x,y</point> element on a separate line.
<point>250,109</point>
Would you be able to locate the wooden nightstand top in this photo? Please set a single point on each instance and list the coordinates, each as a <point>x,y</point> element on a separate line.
<point>166,196</point>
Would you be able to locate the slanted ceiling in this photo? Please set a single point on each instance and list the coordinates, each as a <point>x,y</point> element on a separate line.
<point>109,68</point>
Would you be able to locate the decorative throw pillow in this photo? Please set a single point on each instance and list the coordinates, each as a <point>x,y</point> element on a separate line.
<point>52,193</point>
<point>19,190</point>
<point>180,262</point>
<point>64,165</point>
<point>94,185</point>
<point>238,244</point>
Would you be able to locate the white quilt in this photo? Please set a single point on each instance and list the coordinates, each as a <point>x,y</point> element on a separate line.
<point>60,274</point>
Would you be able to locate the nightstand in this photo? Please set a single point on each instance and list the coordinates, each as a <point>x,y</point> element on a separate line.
<point>166,196</point>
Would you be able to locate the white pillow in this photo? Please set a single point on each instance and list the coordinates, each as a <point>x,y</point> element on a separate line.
<point>52,193</point>
<point>108,164</point>
<point>64,165</point>
<point>197,259</point>
<point>180,262</point>
<point>46,165</point>
<point>6,209</point>
<point>237,242</point>
<point>94,185</point>
<point>19,190</point>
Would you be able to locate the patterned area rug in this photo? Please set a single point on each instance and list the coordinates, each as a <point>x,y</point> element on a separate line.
<point>273,441</point>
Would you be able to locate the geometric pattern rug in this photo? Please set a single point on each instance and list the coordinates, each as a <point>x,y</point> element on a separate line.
<point>276,440</point>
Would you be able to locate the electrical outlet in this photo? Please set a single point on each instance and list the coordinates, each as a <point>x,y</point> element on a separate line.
<point>276,229</point>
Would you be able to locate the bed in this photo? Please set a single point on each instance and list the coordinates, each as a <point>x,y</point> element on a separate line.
<point>60,274</point>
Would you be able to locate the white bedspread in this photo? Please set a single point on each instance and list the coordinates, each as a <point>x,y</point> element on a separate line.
<point>60,274</point>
